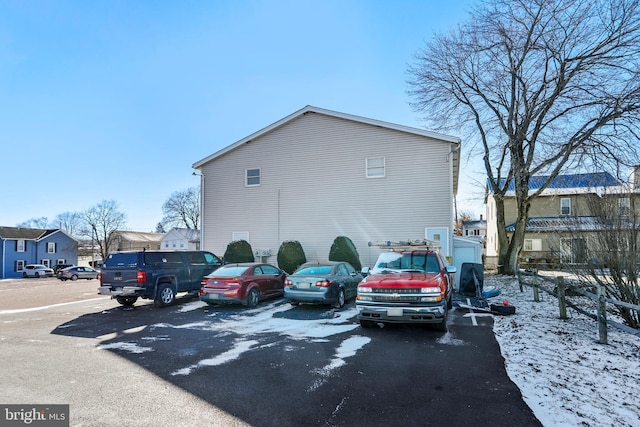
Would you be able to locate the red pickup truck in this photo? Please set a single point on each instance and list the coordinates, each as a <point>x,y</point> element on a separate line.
<point>407,286</point>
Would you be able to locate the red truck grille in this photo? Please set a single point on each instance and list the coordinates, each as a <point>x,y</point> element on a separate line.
<point>396,290</point>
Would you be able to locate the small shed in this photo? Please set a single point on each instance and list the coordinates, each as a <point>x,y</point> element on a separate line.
<point>465,250</point>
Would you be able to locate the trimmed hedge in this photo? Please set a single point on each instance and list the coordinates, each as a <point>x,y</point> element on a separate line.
<point>291,256</point>
<point>238,251</point>
<point>343,249</point>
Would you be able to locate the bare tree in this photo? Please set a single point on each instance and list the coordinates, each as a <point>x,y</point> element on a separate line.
<point>71,222</point>
<point>182,209</point>
<point>462,217</point>
<point>42,223</point>
<point>100,223</point>
<point>539,84</point>
<point>616,250</point>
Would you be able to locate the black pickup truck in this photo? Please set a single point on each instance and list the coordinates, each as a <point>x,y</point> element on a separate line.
<point>156,275</point>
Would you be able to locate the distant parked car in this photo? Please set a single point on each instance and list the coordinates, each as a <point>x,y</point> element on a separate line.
<point>246,283</point>
<point>322,283</point>
<point>75,273</point>
<point>37,270</point>
<point>58,267</point>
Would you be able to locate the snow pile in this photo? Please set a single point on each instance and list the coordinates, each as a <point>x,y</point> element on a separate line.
<point>565,375</point>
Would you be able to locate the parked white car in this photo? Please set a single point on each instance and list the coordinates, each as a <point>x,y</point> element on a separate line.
<point>37,270</point>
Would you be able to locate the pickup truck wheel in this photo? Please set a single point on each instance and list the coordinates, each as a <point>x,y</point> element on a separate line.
<point>442,326</point>
<point>366,323</point>
<point>127,301</point>
<point>166,296</point>
<point>340,301</point>
<point>253,298</point>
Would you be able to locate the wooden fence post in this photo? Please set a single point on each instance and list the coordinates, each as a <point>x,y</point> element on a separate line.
<point>536,291</point>
<point>602,315</point>
<point>562,302</point>
<point>519,276</point>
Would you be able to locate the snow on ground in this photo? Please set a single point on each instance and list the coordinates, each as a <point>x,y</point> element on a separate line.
<point>565,375</point>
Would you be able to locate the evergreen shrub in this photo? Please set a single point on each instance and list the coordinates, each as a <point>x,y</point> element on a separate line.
<point>343,249</point>
<point>291,256</point>
<point>238,251</point>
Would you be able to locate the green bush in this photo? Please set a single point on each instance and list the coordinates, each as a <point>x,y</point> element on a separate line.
<point>343,249</point>
<point>238,251</point>
<point>291,256</point>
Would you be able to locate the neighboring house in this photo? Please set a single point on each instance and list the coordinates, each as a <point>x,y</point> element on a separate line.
<point>475,229</point>
<point>181,239</point>
<point>318,174</point>
<point>22,246</point>
<point>135,241</point>
<point>562,219</point>
<point>89,253</point>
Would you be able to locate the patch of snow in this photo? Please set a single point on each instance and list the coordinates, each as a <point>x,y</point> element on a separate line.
<point>263,321</point>
<point>564,374</point>
<point>449,339</point>
<point>239,347</point>
<point>348,348</point>
<point>131,347</point>
<point>191,306</point>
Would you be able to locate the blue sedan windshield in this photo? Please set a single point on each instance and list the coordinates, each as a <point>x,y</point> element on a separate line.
<point>314,270</point>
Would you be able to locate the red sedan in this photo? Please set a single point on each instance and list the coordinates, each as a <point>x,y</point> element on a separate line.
<point>247,284</point>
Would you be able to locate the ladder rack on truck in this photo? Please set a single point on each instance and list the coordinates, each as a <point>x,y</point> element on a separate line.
<point>403,245</point>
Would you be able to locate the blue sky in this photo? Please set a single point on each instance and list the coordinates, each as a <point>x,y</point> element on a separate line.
<point>115,100</point>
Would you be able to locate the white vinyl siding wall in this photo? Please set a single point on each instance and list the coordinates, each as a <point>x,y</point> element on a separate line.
<point>313,188</point>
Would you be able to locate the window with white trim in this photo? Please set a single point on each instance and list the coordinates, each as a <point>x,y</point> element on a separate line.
<point>46,262</point>
<point>532,244</point>
<point>21,245</point>
<point>375,167</point>
<point>19,265</point>
<point>252,177</point>
<point>51,248</point>
<point>624,205</point>
<point>565,206</point>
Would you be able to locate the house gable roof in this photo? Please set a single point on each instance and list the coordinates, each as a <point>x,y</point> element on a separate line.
<point>139,236</point>
<point>19,233</point>
<point>570,183</point>
<point>566,223</point>
<point>477,224</point>
<point>455,152</point>
<point>188,234</point>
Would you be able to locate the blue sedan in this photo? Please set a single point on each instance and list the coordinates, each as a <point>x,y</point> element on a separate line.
<point>331,282</point>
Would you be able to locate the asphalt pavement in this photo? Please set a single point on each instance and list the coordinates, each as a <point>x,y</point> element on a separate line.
<point>191,364</point>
